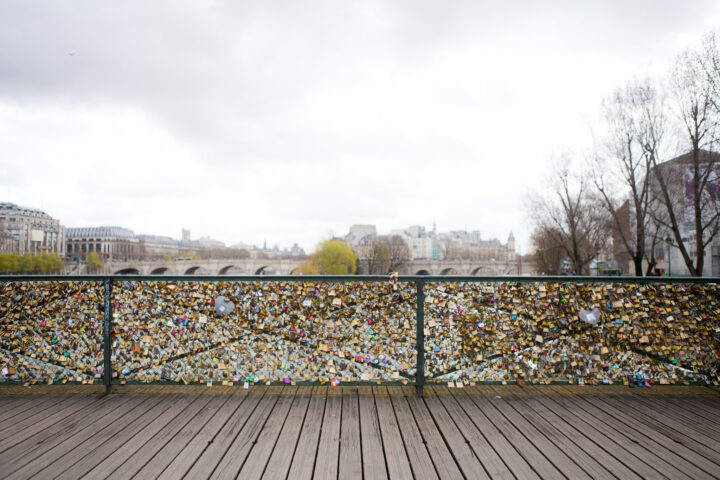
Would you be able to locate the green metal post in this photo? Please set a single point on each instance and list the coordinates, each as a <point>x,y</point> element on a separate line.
<point>107,338</point>
<point>420,336</point>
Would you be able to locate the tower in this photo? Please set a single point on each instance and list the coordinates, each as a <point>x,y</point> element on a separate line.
<point>511,242</point>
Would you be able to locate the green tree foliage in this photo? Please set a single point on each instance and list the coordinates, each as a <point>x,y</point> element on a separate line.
<point>307,268</point>
<point>335,257</point>
<point>30,264</point>
<point>93,262</point>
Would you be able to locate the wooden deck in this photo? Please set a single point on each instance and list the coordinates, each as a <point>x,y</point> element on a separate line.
<point>352,432</point>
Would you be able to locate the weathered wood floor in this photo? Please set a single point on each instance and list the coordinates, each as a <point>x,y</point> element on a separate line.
<point>352,432</point>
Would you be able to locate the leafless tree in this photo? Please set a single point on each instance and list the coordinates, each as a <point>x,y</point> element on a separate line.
<point>688,187</point>
<point>633,119</point>
<point>581,226</point>
<point>549,253</point>
<point>378,260</point>
<point>399,252</point>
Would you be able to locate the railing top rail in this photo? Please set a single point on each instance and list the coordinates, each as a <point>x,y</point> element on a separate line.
<point>360,278</point>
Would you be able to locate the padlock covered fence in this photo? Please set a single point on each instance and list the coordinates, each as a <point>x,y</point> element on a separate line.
<point>357,329</point>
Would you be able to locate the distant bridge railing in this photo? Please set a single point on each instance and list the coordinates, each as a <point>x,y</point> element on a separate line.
<point>358,329</point>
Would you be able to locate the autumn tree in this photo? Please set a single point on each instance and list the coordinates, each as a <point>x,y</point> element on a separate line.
<point>335,257</point>
<point>93,262</point>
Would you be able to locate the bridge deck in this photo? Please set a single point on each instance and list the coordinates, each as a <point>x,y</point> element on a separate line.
<point>351,432</point>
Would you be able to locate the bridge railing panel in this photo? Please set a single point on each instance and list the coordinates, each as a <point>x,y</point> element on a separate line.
<point>577,332</point>
<point>51,331</point>
<point>464,330</point>
<point>227,332</point>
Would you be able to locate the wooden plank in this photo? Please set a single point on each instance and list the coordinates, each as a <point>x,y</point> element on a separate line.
<point>582,437</point>
<point>696,466</point>
<point>35,425</point>
<point>645,418</point>
<point>28,407</point>
<point>373,458</point>
<point>681,412</point>
<point>157,464</point>
<point>442,457</point>
<point>219,445</point>
<point>561,438</point>
<point>696,405</point>
<point>156,445</point>
<point>547,460</point>
<point>420,461</point>
<point>16,404</point>
<point>208,437</point>
<point>237,453</point>
<point>678,430</point>
<point>395,456</point>
<point>464,456</point>
<point>266,441</point>
<point>492,462</point>
<point>350,462</point>
<point>326,462</point>
<point>29,465</point>
<point>126,452</point>
<point>79,461</point>
<point>502,446</point>
<point>616,444</point>
<point>279,464</point>
<point>20,453</point>
<point>303,460</point>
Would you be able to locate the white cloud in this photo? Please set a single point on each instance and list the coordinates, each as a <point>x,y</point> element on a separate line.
<point>283,121</point>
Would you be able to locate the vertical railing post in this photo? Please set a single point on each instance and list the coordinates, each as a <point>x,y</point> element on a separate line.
<point>107,338</point>
<point>420,336</point>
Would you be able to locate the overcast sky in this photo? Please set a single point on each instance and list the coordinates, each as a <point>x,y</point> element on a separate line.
<point>291,121</point>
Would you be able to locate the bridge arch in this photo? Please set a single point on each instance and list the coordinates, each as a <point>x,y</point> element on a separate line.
<point>159,271</point>
<point>196,270</point>
<point>265,270</point>
<point>128,271</point>
<point>476,271</point>
<point>423,272</point>
<point>230,270</point>
<point>449,271</point>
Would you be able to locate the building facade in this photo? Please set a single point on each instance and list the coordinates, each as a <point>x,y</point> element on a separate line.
<point>110,243</point>
<point>31,231</point>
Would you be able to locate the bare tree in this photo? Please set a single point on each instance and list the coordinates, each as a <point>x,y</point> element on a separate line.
<point>634,117</point>
<point>378,260</point>
<point>399,252</point>
<point>581,226</point>
<point>549,253</point>
<point>688,187</point>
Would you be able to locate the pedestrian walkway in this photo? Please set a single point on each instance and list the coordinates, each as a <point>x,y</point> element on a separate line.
<point>296,432</point>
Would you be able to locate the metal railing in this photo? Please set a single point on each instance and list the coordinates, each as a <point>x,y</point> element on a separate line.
<point>358,329</point>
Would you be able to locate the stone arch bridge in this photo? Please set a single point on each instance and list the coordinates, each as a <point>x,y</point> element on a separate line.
<point>256,266</point>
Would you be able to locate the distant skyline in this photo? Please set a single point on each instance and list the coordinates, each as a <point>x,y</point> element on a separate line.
<point>288,122</point>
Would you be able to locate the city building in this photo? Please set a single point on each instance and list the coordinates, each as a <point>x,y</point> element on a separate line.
<point>155,247</point>
<point>33,231</point>
<point>424,245</point>
<point>110,243</point>
<point>678,174</point>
